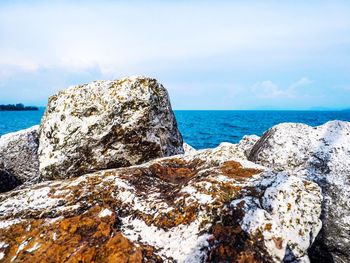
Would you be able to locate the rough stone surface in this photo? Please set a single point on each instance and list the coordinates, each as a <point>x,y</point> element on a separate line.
<point>320,154</point>
<point>19,158</point>
<point>106,124</point>
<point>247,143</point>
<point>188,148</point>
<point>286,216</point>
<point>186,208</point>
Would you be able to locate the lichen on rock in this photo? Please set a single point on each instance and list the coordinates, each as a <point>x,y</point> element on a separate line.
<point>106,124</point>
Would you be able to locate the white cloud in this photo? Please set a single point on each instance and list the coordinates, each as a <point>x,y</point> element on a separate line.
<point>269,90</point>
<point>206,46</point>
<point>120,36</point>
<point>300,83</point>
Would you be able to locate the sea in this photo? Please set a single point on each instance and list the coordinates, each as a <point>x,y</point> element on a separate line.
<point>203,129</point>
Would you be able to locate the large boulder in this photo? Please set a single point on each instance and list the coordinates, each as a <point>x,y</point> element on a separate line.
<point>206,206</point>
<point>320,154</point>
<point>19,158</point>
<point>106,124</point>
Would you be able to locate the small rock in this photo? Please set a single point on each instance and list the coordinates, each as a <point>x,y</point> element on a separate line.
<point>19,158</point>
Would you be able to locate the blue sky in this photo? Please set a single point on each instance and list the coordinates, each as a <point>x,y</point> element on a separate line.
<point>208,54</point>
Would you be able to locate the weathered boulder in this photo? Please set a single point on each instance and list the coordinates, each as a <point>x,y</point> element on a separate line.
<point>19,158</point>
<point>320,154</point>
<point>106,124</point>
<point>186,208</point>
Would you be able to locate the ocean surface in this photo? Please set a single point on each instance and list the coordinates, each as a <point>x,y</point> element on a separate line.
<point>204,129</point>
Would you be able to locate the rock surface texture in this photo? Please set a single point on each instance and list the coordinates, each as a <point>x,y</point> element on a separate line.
<point>320,154</point>
<point>19,158</point>
<point>206,206</point>
<point>247,143</point>
<point>123,187</point>
<point>188,148</point>
<point>106,124</point>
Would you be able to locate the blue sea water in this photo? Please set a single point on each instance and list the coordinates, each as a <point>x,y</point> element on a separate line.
<point>204,129</point>
<point>11,121</point>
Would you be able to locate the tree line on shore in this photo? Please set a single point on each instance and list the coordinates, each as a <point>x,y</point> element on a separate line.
<point>17,107</point>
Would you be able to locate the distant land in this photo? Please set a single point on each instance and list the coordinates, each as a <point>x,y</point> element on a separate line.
<point>317,108</point>
<point>17,107</point>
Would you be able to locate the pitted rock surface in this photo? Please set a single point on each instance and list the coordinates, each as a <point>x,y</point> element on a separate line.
<point>106,124</point>
<point>188,148</point>
<point>320,154</point>
<point>247,143</point>
<point>186,208</point>
<point>19,158</point>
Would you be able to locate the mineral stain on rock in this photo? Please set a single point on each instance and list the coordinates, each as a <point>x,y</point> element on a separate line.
<point>236,170</point>
<point>89,237</point>
<point>230,243</point>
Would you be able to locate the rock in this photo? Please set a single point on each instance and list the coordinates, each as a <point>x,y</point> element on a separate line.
<point>185,208</point>
<point>287,217</point>
<point>296,204</point>
<point>320,154</point>
<point>188,148</point>
<point>106,124</point>
<point>19,158</point>
<point>247,143</point>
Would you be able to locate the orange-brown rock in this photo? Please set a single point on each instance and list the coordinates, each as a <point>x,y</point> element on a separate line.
<point>204,206</point>
<point>88,237</point>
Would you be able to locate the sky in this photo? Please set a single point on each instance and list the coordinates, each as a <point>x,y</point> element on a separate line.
<point>211,55</point>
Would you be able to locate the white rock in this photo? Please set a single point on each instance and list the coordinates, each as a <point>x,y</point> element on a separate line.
<point>296,205</point>
<point>287,217</point>
<point>321,154</point>
<point>257,221</point>
<point>106,124</point>
<point>188,148</point>
<point>247,143</point>
<point>105,212</point>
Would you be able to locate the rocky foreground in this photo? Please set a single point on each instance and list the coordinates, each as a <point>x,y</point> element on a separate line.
<point>106,178</point>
